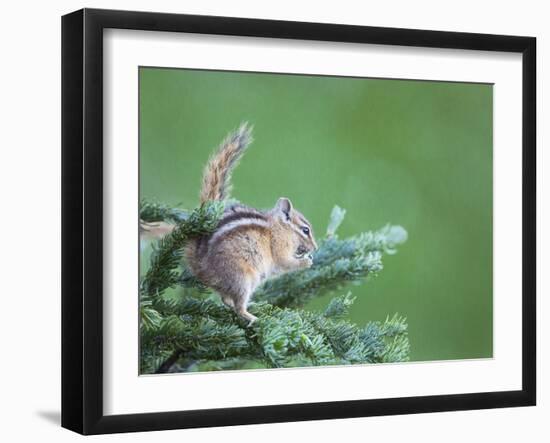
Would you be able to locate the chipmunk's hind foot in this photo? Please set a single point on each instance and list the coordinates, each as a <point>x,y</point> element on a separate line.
<point>247,316</point>
<point>241,306</point>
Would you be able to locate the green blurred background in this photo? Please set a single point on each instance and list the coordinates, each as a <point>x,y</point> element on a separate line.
<point>414,153</point>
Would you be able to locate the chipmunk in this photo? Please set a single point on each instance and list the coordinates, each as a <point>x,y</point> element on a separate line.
<point>248,246</point>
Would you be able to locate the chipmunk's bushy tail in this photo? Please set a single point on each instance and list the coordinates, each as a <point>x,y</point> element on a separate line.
<point>216,181</point>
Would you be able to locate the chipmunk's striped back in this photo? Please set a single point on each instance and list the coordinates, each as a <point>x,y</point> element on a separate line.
<point>236,218</point>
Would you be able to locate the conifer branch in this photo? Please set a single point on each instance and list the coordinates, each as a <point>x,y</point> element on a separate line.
<point>155,212</point>
<point>335,263</point>
<point>167,253</point>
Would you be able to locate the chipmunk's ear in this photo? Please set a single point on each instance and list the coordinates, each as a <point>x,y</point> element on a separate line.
<point>283,207</point>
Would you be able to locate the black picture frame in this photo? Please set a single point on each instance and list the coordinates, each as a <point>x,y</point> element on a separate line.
<point>82,219</point>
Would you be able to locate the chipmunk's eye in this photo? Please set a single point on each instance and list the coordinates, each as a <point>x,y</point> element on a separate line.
<point>305,230</point>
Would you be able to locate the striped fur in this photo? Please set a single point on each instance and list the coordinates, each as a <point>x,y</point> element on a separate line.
<point>235,218</point>
<point>233,215</point>
<point>243,221</point>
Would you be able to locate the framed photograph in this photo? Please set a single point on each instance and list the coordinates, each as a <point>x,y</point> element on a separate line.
<point>269,221</point>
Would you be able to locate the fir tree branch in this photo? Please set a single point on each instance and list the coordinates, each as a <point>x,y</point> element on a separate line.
<point>206,331</point>
<point>336,218</point>
<point>155,212</point>
<point>339,306</point>
<point>168,251</point>
<point>335,263</point>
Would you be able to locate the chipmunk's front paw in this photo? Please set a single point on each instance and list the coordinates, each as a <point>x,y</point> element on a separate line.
<point>306,261</point>
<point>304,257</point>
